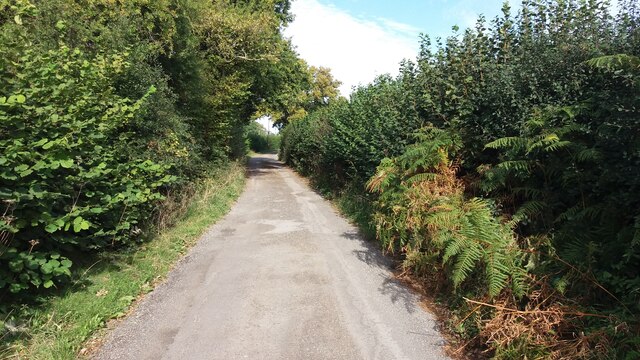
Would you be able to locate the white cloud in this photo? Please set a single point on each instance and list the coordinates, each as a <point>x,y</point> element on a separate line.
<point>406,30</point>
<point>267,124</point>
<point>356,50</point>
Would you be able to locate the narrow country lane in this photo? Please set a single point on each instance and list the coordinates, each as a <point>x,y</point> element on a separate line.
<point>282,276</point>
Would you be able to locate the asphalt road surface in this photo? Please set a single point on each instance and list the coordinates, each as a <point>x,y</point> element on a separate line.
<point>282,276</point>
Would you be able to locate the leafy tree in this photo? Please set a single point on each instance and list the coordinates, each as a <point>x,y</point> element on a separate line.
<point>260,140</point>
<point>310,89</point>
<point>324,88</point>
<point>107,106</point>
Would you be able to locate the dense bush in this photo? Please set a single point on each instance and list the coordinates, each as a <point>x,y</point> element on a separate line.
<point>67,178</point>
<point>262,141</point>
<point>351,138</point>
<point>423,212</point>
<point>506,163</point>
<point>105,107</point>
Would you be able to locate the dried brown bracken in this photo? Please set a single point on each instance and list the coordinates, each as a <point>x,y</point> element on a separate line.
<point>547,321</point>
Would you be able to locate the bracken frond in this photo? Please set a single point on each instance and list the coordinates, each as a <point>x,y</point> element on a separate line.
<point>422,177</point>
<point>465,260</point>
<point>528,210</point>
<point>498,271</point>
<point>516,165</point>
<point>507,142</point>
<point>615,62</point>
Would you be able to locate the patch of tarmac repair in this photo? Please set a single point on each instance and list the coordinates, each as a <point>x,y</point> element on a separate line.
<point>281,226</point>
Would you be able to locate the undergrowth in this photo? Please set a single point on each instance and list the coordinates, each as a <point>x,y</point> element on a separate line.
<point>517,200</point>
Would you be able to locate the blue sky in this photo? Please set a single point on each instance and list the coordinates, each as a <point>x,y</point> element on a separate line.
<point>360,39</point>
<point>434,17</point>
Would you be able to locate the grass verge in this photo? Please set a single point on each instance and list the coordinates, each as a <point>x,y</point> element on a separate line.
<point>66,325</point>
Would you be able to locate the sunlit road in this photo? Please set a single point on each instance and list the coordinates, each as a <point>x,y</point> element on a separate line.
<point>282,276</point>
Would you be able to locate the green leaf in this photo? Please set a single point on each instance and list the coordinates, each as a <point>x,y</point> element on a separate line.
<point>32,264</point>
<point>40,142</point>
<point>46,268</point>
<point>21,167</point>
<point>67,163</point>
<point>16,288</point>
<point>20,99</point>
<point>80,224</point>
<point>16,265</point>
<point>51,228</point>
<point>47,284</point>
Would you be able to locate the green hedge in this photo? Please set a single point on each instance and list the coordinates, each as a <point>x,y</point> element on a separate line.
<point>106,107</point>
<point>544,109</point>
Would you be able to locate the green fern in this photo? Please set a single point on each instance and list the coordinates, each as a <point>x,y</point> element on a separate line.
<point>498,271</point>
<point>542,141</point>
<point>580,213</point>
<point>422,210</point>
<point>615,62</point>
<point>528,192</point>
<point>454,247</point>
<point>558,145</point>
<point>588,155</point>
<point>465,261</point>
<point>515,165</point>
<point>519,280</point>
<point>507,143</point>
<point>527,210</point>
<point>422,178</point>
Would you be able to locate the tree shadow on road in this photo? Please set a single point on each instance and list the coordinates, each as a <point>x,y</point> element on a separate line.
<point>262,165</point>
<point>371,255</point>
